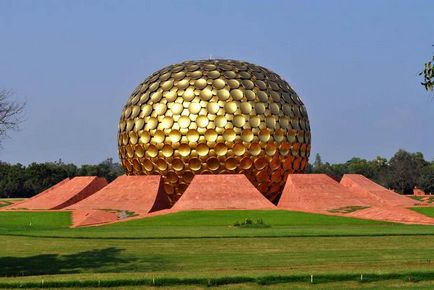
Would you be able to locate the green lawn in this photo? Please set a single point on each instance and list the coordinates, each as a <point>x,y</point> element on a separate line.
<point>207,245</point>
<point>197,224</point>
<point>428,211</point>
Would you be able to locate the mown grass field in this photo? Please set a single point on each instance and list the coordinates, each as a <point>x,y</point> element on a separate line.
<point>36,246</point>
<point>428,211</point>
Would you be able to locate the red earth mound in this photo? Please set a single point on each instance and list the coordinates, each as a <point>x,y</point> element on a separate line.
<point>63,194</point>
<point>14,206</point>
<point>91,217</point>
<point>136,194</point>
<point>364,186</point>
<point>392,214</point>
<point>318,193</point>
<point>221,191</point>
<point>418,192</point>
<point>93,202</point>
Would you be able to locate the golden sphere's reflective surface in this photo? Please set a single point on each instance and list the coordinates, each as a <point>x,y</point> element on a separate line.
<point>214,116</point>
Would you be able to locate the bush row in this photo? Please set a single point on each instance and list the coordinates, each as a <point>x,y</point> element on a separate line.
<point>264,280</point>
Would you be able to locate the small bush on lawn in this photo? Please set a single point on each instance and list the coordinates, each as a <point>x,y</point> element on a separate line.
<point>249,223</point>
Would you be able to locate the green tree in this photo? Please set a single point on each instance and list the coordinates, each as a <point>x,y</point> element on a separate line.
<point>426,180</point>
<point>360,166</point>
<point>25,181</point>
<point>405,169</point>
<point>317,164</point>
<point>107,169</point>
<point>12,178</point>
<point>40,176</point>
<point>110,169</point>
<point>380,169</point>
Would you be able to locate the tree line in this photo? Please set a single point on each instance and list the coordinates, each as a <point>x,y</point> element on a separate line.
<point>17,180</point>
<point>402,173</point>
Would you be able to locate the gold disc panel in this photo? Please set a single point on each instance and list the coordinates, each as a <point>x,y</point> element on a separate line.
<point>215,116</point>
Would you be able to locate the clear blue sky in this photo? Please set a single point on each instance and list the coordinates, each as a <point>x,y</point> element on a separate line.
<point>353,63</point>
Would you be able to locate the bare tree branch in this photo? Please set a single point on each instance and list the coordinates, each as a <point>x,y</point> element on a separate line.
<point>11,113</point>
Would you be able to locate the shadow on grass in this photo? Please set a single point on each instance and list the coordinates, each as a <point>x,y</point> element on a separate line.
<point>101,260</point>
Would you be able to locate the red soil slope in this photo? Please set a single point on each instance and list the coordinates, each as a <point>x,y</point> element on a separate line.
<point>362,185</point>
<point>63,194</point>
<point>138,194</point>
<point>15,205</point>
<point>81,218</point>
<point>418,192</point>
<point>221,191</point>
<point>318,193</point>
<point>393,214</point>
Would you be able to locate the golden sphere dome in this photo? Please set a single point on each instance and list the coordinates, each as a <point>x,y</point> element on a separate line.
<point>214,116</point>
